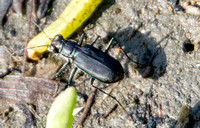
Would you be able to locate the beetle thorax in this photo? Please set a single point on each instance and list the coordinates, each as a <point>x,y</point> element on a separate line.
<point>69,48</point>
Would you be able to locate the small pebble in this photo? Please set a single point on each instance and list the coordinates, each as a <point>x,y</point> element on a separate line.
<point>192,8</point>
<point>198,66</point>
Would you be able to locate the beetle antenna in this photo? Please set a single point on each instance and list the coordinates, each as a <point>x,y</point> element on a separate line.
<point>40,29</point>
<point>21,50</point>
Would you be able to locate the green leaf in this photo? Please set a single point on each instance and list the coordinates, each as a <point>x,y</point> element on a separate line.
<point>60,113</point>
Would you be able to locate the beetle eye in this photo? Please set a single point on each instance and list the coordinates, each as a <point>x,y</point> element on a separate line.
<point>58,37</point>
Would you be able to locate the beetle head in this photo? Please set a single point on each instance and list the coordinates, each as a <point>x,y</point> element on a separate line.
<point>56,44</point>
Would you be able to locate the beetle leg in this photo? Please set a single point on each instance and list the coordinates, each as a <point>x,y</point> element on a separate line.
<point>72,75</point>
<point>81,40</point>
<point>95,40</point>
<point>109,44</point>
<point>63,67</point>
<point>91,83</point>
<point>117,41</point>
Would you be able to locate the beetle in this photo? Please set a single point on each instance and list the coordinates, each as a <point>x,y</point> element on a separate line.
<point>92,61</point>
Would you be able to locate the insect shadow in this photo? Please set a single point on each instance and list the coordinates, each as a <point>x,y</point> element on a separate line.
<point>143,50</point>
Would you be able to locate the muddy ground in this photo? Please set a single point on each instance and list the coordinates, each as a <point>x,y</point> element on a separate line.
<point>142,27</point>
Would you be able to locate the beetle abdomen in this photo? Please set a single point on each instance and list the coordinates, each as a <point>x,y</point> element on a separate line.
<point>99,65</point>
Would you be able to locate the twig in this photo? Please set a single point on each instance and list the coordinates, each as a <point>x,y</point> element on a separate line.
<point>87,108</point>
<point>28,35</point>
<point>109,111</point>
<point>8,71</point>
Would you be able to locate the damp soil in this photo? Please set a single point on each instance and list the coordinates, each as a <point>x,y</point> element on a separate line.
<point>142,28</point>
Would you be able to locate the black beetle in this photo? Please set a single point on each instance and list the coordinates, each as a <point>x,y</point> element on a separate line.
<point>92,61</point>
